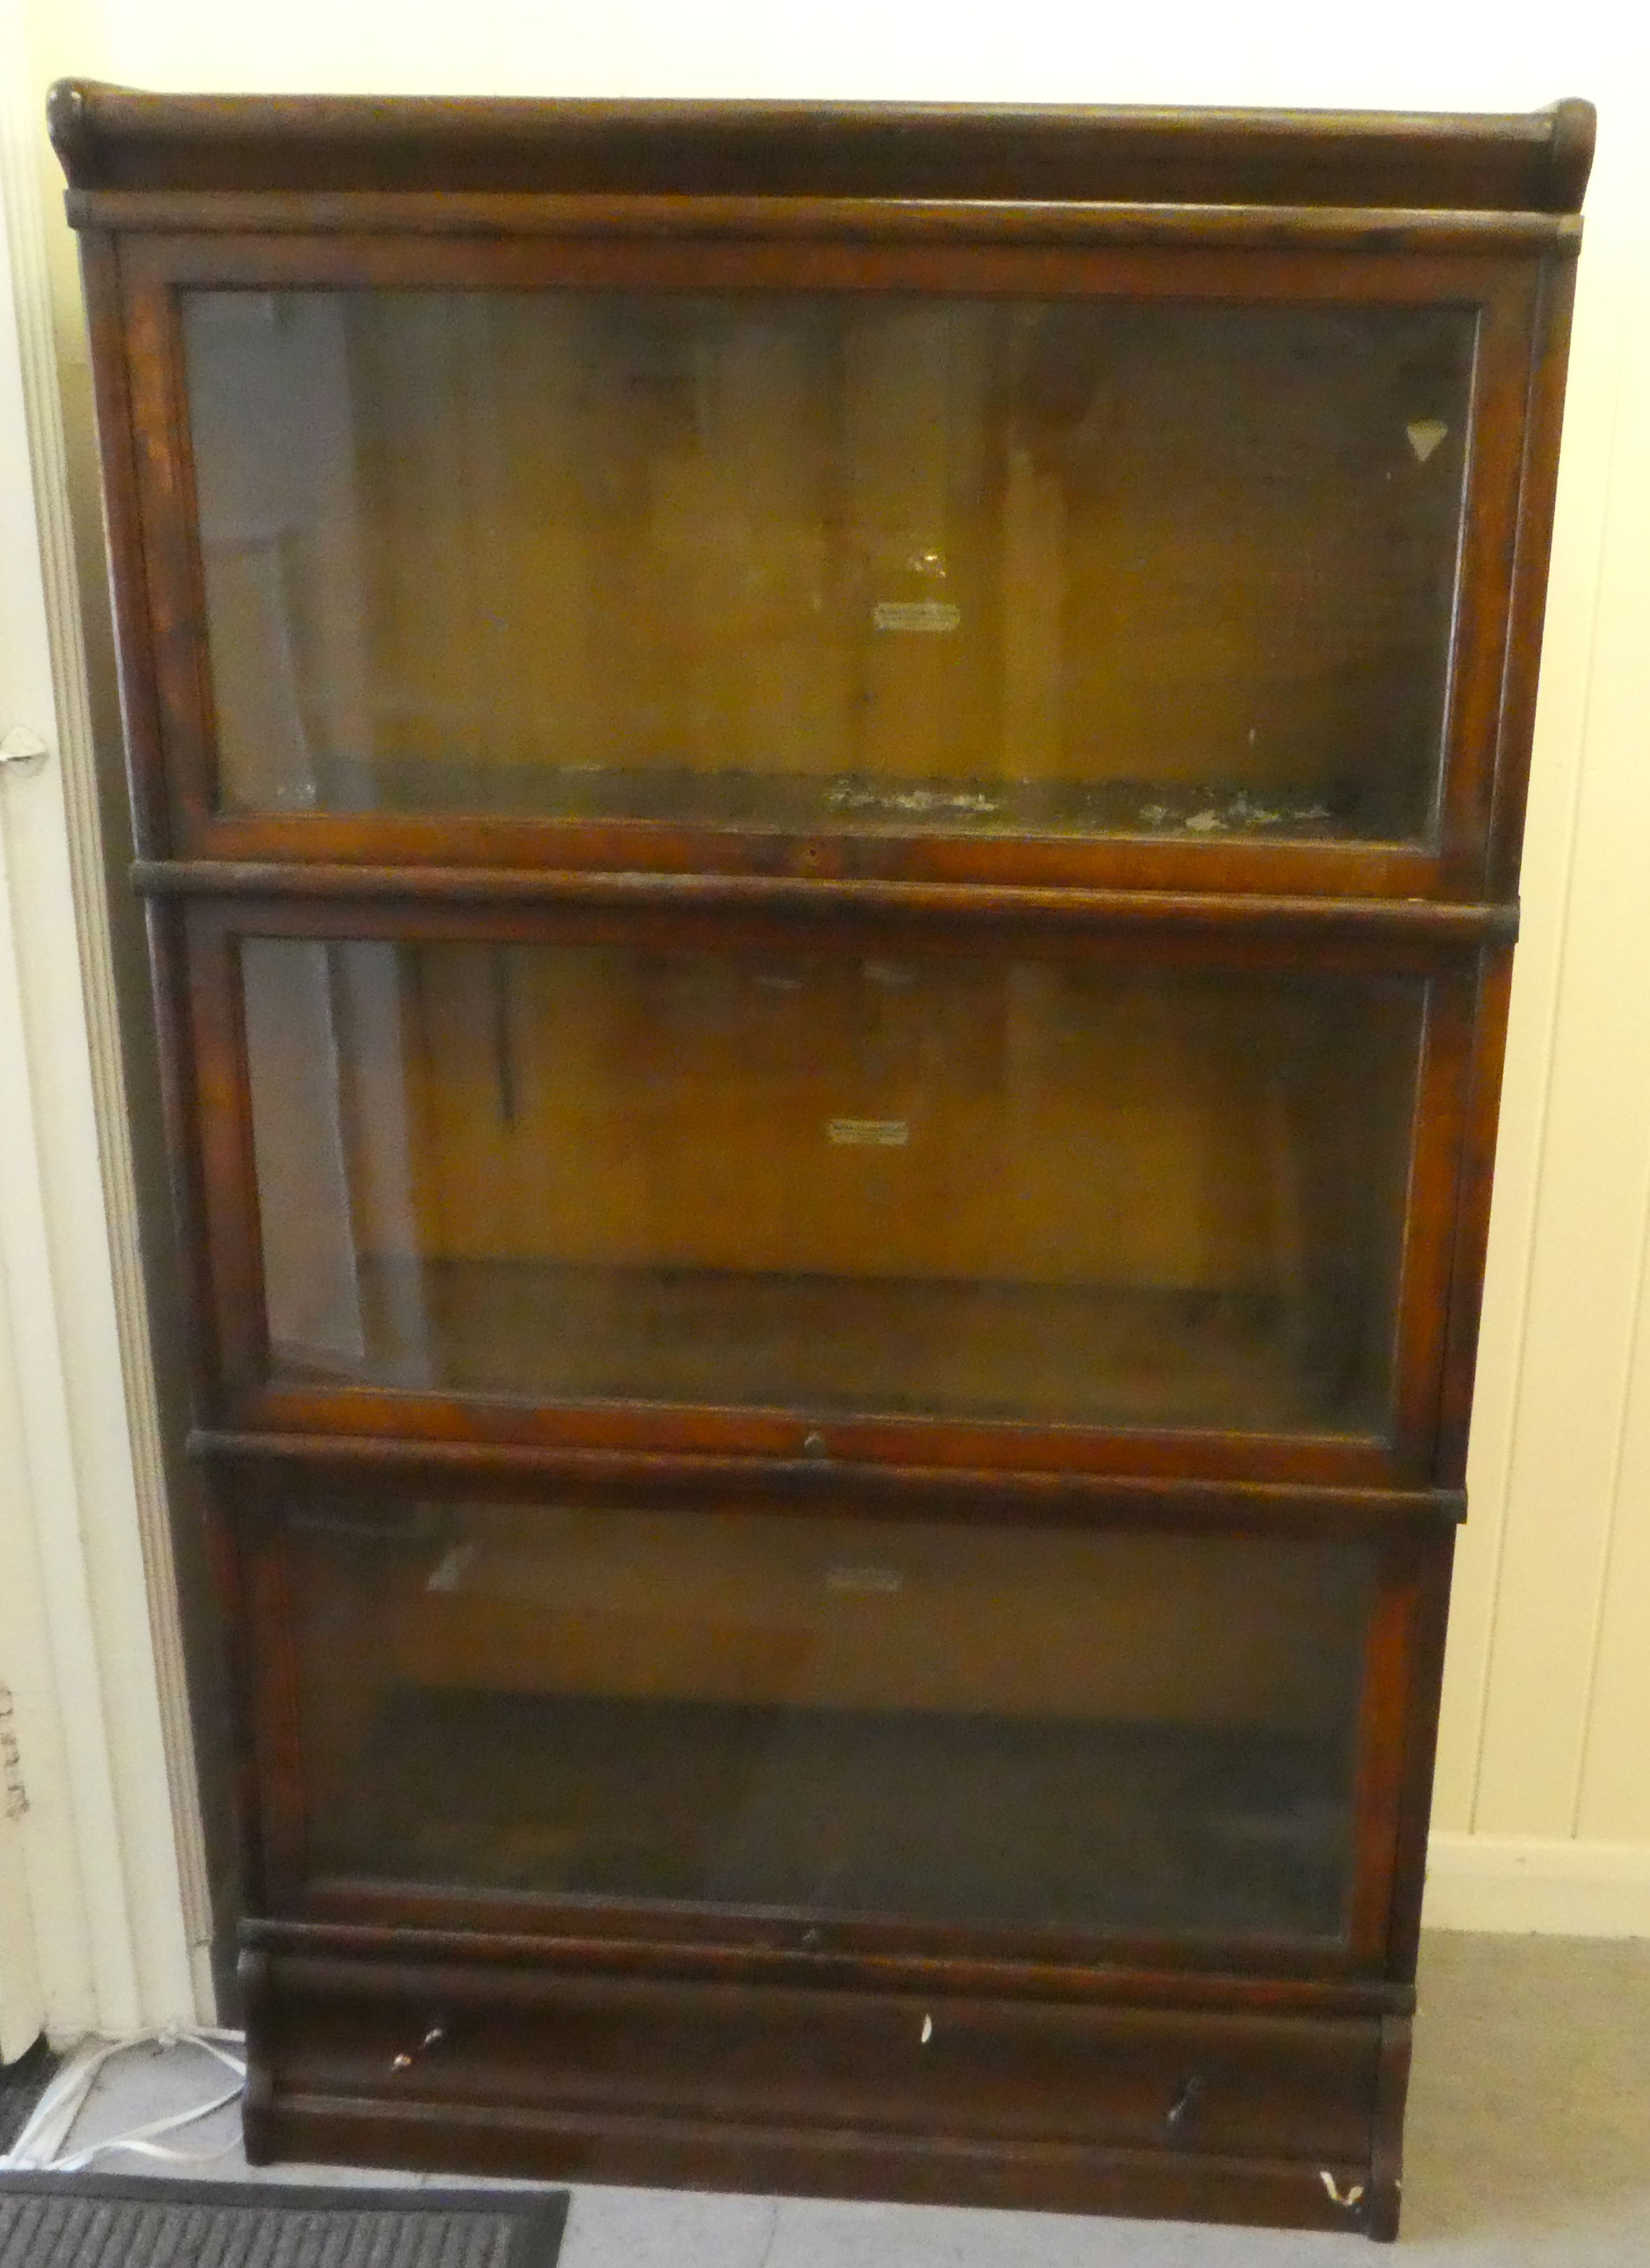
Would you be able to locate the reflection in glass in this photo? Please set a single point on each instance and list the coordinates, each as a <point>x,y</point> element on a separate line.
<point>1047,1187</point>
<point>1014,1727</point>
<point>848,561</point>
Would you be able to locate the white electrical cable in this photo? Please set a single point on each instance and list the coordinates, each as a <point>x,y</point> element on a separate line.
<point>39,2146</point>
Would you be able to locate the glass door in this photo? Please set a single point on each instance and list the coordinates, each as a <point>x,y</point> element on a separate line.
<point>1009,1729</point>
<point>1061,1183</point>
<point>1107,566</point>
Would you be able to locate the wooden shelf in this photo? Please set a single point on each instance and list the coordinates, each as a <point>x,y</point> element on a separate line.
<point>793,802</point>
<point>1020,1822</point>
<point>1092,1355</point>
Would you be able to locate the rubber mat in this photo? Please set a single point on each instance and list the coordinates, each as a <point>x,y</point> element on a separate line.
<point>49,2220</point>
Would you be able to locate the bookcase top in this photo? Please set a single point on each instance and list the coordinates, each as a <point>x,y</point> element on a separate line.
<point>113,137</point>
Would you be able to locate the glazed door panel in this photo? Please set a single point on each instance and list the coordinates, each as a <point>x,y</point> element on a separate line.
<point>667,563</point>
<point>883,1180</point>
<point>901,1181</point>
<point>1008,1730</point>
<point>999,567</point>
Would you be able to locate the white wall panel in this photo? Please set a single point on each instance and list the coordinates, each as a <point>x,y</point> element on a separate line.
<point>91,1848</point>
<point>1549,1688</point>
<point>1613,1795</point>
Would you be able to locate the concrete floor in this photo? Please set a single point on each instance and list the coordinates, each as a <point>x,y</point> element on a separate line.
<point>1528,2147</point>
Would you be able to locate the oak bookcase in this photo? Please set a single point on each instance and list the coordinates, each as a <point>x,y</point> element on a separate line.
<point>830,801</point>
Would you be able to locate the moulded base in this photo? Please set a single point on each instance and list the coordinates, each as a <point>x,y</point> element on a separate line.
<point>1284,2120</point>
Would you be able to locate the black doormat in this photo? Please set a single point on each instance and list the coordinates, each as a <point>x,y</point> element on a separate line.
<point>102,2221</point>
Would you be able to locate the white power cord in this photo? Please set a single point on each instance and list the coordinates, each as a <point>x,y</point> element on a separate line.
<point>39,2146</point>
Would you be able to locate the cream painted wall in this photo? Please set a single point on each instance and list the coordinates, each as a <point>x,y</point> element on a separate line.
<point>1543,1813</point>
<point>97,1878</point>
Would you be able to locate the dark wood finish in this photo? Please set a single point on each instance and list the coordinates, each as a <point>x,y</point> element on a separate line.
<point>1334,918</point>
<point>1062,2177</point>
<point>1184,1502</point>
<point>1292,2086</point>
<point>907,2095</point>
<point>1431,1563</point>
<point>881,219</point>
<point>1242,2072</point>
<point>179,1095</point>
<point>1472,1229</point>
<point>110,137</point>
<point>414,1925</point>
<point>1386,2171</point>
<point>255,1980</point>
<point>101,280</point>
<point>1543,415</point>
<point>683,1433</point>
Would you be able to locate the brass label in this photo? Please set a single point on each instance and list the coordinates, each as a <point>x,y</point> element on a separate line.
<point>930,614</point>
<point>869,1133</point>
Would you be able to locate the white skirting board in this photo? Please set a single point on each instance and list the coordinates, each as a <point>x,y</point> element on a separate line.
<point>1533,1882</point>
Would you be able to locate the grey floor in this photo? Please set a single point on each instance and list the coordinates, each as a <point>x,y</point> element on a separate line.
<point>1529,2143</point>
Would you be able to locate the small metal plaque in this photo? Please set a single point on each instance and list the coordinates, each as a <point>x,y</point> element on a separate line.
<point>881,1582</point>
<point>869,1133</point>
<point>930,614</point>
